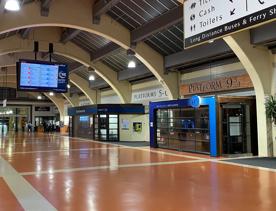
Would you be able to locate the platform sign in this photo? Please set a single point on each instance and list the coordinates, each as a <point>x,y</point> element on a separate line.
<point>206,20</point>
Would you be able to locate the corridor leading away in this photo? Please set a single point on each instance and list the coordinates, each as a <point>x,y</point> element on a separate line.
<point>51,172</point>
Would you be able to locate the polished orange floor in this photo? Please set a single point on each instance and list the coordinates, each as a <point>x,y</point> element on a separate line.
<point>7,199</point>
<point>77,174</point>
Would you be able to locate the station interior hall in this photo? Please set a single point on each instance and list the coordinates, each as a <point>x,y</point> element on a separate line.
<point>137,105</point>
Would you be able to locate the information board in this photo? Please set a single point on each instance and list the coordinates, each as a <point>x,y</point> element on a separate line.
<point>42,76</point>
<point>39,75</point>
<point>206,20</point>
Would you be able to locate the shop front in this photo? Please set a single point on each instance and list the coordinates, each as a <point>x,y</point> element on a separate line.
<point>185,125</point>
<point>222,122</point>
<point>218,126</point>
<point>101,122</point>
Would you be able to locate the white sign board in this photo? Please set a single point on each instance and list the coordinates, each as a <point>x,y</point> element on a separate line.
<point>205,20</point>
<point>145,96</point>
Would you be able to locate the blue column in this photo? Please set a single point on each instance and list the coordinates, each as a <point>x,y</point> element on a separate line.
<point>213,127</point>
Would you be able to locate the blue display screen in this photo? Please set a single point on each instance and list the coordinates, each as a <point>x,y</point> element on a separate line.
<point>84,118</point>
<point>42,76</point>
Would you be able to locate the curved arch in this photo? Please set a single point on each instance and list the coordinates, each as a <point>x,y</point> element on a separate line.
<point>74,101</point>
<point>83,85</point>
<point>29,16</point>
<point>59,102</point>
<point>44,36</point>
<point>258,64</point>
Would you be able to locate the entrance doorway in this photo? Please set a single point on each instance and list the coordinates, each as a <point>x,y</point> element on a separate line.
<point>238,131</point>
<point>102,127</point>
<point>107,127</point>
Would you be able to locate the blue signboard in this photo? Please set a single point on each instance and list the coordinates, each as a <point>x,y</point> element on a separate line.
<point>107,109</point>
<point>195,101</point>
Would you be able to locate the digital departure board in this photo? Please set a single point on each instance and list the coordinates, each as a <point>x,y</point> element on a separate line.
<point>42,76</point>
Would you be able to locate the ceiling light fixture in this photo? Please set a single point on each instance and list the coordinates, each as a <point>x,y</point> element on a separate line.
<point>12,5</point>
<point>131,64</point>
<point>68,86</point>
<point>91,77</point>
<point>51,93</point>
<point>39,97</point>
<point>91,73</point>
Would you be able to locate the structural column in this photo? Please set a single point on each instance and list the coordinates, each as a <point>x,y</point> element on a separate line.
<point>258,63</point>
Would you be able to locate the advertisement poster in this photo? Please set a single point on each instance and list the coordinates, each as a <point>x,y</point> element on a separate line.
<point>125,124</point>
<point>137,127</point>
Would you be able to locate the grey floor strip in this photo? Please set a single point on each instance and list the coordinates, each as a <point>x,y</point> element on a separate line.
<point>29,198</point>
<point>257,162</point>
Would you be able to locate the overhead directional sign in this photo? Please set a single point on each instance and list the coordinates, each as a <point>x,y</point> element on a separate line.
<point>206,20</point>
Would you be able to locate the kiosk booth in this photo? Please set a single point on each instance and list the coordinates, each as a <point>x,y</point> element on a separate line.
<point>102,122</point>
<point>210,125</point>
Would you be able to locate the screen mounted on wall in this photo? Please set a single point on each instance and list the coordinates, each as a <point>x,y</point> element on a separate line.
<point>41,76</point>
<point>84,118</point>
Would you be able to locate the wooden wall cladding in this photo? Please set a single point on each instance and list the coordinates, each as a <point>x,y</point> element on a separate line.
<point>217,85</point>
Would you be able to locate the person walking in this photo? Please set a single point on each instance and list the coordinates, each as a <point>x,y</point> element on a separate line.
<point>30,127</point>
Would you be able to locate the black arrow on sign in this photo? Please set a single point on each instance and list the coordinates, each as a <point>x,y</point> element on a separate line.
<point>260,1</point>
<point>231,1</point>
<point>232,12</point>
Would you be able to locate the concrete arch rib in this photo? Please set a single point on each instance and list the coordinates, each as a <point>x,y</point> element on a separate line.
<point>59,102</point>
<point>70,50</point>
<point>29,16</point>
<point>83,85</point>
<point>258,63</point>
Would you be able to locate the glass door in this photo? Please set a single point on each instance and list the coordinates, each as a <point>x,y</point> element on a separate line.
<point>106,127</point>
<point>113,134</point>
<point>236,129</point>
<point>103,127</point>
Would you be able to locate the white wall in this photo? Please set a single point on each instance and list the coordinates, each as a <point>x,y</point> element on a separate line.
<point>130,135</point>
<point>213,73</point>
<point>83,100</point>
<point>109,97</point>
<point>142,93</point>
